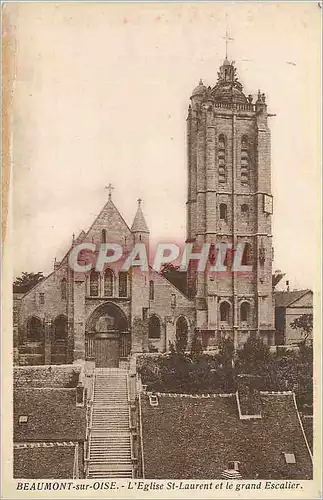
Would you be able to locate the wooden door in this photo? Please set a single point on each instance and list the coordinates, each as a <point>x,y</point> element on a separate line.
<point>106,351</point>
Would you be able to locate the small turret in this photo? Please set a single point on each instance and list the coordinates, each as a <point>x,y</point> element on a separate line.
<point>198,94</point>
<point>139,226</point>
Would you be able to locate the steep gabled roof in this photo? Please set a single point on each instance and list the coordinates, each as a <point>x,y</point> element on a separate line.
<point>109,212</point>
<point>52,462</point>
<point>52,415</point>
<point>207,434</point>
<point>285,299</point>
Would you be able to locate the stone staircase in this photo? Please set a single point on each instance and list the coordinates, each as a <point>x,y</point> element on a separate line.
<point>110,439</point>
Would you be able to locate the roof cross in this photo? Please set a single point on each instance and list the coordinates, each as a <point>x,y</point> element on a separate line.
<point>227,38</point>
<point>110,188</point>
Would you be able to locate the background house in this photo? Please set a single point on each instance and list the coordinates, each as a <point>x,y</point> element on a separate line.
<point>290,305</point>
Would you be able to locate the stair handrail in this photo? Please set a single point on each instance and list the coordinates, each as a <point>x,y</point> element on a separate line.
<point>140,426</point>
<point>133,458</point>
<point>76,461</point>
<point>89,427</point>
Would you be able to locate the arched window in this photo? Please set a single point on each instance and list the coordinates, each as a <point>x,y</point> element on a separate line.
<point>245,312</point>
<point>104,235</point>
<point>123,284</point>
<point>244,160</point>
<point>151,290</point>
<point>244,213</point>
<point>154,327</point>
<point>246,256</point>
<point>228,254</point>
<point>223,211</point>
<point>94,284</point>
<point>63,289</point>
<point>108,283</point>
<point>225,312</point>
<point>34,329</point>
<point>60,328</point>
<point>222,159</point>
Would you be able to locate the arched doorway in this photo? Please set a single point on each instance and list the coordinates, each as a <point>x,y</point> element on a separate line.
<point>108,338</point>
<point>59,341</point>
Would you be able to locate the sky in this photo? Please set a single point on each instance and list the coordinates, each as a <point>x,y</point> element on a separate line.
<point>101,93</point>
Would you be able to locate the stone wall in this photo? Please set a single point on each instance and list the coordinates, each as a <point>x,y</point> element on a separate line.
<point>47,376</point>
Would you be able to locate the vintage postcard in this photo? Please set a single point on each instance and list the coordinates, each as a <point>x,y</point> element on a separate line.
<point>161,215</point>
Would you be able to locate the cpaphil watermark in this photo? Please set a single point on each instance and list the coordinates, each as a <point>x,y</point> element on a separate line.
<point>214,258</point>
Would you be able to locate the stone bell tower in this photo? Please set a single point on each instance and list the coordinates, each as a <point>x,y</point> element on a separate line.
<point>229,201</point>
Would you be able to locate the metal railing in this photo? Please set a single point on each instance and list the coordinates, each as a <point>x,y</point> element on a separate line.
<point>141,444</point>
<point>76,474</point>
<point>89,417</point>
<point>134,459</point>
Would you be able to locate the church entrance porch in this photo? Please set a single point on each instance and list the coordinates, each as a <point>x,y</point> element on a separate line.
<point>107,339</point>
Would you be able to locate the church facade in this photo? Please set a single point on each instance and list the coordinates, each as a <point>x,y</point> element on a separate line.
<point>107,315</point>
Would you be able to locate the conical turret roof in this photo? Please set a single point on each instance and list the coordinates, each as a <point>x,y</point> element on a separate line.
<point>139,224</point>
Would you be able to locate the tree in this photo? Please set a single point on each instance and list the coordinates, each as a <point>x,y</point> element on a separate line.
<point>196,344</point>
<point>226,359</point>
<point>304,323</point>
<point>226,350</point>
<point>27,281</point>
<point>253,357</point>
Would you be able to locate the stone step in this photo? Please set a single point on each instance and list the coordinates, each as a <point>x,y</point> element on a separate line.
<point>110,446</point>
<point>110,443</point>
<point>117,426</point>
<point>103,410</point>
<point>110,411</point>
<point>107,467</point>
<point>116,461</point>
<point>117,417</point>
<point>102,452</point>
<point>110,418</point>
<point>105,394</point>
<point>110,459</point>
<point>107,427</point>
<point>110,414</point>
<point>123,452</point>
<point>109,421</point>
<point>110,475</point>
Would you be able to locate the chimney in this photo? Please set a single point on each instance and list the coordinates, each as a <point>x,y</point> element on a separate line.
<point>248,396</point>
<point>287,285</point>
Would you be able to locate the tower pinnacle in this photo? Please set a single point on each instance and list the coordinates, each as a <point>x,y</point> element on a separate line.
<point>139,224</point>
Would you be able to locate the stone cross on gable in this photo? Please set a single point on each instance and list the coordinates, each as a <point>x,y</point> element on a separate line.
<point>110,188</point>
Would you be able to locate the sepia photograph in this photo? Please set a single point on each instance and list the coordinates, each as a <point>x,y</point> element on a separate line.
<point>161,248</point>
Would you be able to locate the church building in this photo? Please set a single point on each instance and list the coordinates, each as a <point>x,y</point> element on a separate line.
<point>229,201</point>
<point>105,316</point>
